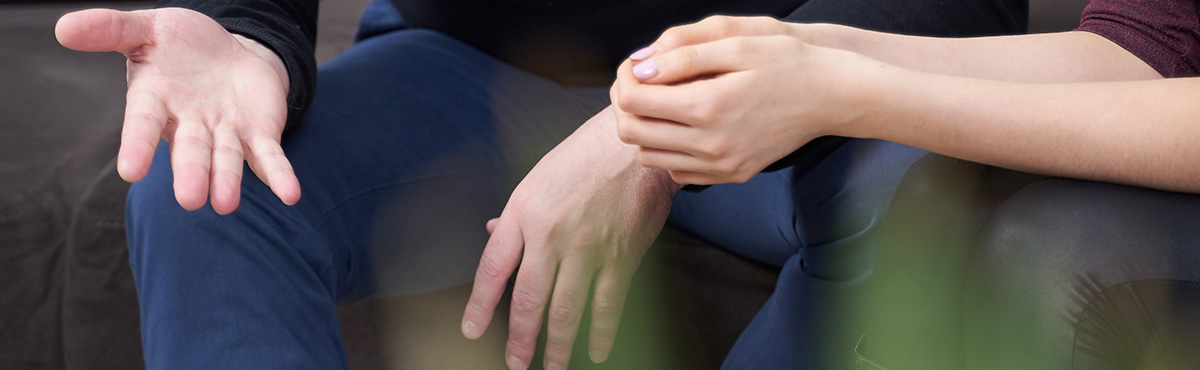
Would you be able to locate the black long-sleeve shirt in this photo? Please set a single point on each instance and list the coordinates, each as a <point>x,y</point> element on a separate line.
<point>580,42</point>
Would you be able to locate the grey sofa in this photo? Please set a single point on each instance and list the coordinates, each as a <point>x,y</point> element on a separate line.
<point>67,298</point>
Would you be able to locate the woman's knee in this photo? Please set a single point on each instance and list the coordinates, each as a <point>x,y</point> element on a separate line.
<point>1058,265</point>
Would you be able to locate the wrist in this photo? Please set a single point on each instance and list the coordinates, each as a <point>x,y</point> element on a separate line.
<point>883,86</point>
<point>267,55</point>
<point>864,98</point>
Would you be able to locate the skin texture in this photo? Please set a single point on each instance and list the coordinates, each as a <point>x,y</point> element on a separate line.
<point>581,219</point>
<point>725,99</point>
<point>217,98</point>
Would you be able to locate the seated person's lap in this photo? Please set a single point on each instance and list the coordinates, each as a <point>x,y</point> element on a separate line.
<point>413,142</point>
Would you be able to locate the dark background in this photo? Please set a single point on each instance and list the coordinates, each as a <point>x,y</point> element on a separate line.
<point>66,294</point>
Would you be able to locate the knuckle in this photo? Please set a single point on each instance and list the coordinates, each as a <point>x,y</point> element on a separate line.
<point>230,150</point>
<point>627,132</point>
<point>521,341</point>
<point>526,302</point>
<point>563,315</point>
<point>725,24</point>
<point>688,58</point>
<point>625,100</point>
<point>707,110</point>
<point>139,116</point>
<point>606,307</point>
<point>725,168</point>
<point>194,141</point>
<point>489,269</point>
<point>712,147</point>
<point>671,35</point>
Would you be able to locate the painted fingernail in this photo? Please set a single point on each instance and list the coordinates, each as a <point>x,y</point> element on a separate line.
<point>645,69</point>
<point>515,363</point>
<point>598,356</point>
<point>642,54</point>
<point>470,330</point>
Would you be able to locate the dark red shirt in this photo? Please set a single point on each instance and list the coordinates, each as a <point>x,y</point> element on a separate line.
<point>1164,33</point>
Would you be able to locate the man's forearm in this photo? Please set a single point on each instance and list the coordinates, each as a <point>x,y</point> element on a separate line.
<point>1041,58</point>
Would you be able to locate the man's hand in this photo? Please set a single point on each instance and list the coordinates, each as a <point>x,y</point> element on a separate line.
<point>719,100</point>
<point>217,98</point>
<point>588,211</point>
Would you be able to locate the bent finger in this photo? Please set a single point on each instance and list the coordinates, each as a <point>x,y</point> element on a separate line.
<point>711,29</point>
<point>104,30</point>
<point>566,310</point>
<point>656,133</point>
<point>695,61</point>
<point>145,119</point>
<point>267,160</point>
<point>658,101</point>
<point>191,160</point>
<point>226,169</point>
<point>499,260</point>
<point>531,291</point>
<point>671,160</point>
<point>694,178</point>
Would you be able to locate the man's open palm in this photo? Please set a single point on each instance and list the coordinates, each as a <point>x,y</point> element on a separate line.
<point>217,98</point>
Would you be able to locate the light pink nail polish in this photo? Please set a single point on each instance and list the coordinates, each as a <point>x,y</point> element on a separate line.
<point>642,54</point>
<point>645,70</point>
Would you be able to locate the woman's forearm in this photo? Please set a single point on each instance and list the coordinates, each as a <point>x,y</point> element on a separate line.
<point>1075,56</point>
<point>1144,133</point>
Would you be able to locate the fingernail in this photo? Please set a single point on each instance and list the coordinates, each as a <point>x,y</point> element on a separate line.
<point>645,69</point>
<point>642,54</point>
<point>553,366</point>
<point>470,330</point>
<point>515,363</point>
<point>598,356</point>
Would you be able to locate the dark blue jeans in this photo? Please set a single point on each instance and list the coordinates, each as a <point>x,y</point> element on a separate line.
<point>413,142</point>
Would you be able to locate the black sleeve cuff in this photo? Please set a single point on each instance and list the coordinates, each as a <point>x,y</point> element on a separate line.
<point>287,27</point>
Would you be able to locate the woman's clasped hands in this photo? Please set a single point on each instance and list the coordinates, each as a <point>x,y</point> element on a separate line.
<point>719,100</point>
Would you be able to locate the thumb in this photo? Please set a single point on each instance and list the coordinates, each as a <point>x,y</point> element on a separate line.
<point>491,225</point>
<point>104,30</point>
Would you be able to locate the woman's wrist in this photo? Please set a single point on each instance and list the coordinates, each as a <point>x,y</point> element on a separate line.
<point>865,96</point>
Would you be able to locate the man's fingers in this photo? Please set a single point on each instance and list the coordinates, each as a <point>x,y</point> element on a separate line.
<point>191,159</point>
<point>145,119</point>
<point>531,290</point>
<point>491,225</point>
<point>566,310</point>
<point>612,285</point>
<point>226,169</point>
<point>499,259</point>
<point>104,30</point>
<point>267,160</point>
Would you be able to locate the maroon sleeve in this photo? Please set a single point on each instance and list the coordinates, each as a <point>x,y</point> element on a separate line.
<point>1164,33</point>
